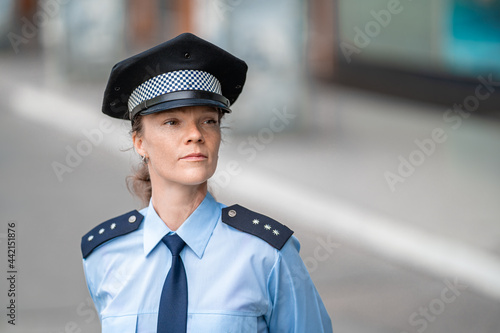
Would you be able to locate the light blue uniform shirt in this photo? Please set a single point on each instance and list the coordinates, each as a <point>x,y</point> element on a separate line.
<point>236,281</point>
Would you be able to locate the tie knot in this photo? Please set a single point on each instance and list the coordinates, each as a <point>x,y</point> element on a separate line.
<point>174,243</point>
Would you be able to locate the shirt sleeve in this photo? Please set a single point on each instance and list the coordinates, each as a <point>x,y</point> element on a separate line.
<point>90,286</point>
<point>295,305</point>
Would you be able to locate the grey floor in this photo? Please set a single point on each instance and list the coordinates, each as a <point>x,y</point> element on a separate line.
<point>326,182</point>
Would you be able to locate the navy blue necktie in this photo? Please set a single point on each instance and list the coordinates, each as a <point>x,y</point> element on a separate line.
<point>172,314</point>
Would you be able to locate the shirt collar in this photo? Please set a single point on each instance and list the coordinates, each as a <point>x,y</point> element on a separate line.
<point>195,231</point>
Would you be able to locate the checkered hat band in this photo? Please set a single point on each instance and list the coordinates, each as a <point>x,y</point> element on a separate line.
<point>173,81</point>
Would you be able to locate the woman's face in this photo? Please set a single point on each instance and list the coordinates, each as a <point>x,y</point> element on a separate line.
<point>182,144</point>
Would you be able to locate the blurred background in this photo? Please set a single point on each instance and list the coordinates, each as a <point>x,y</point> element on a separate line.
<point>370,127</point>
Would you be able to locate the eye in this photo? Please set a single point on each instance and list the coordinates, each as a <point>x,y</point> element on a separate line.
<point>211,122</point>
<point>171,122</point>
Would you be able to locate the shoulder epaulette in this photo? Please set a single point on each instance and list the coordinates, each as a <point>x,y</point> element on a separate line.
<point>118,226</point>
<point>273,232</point>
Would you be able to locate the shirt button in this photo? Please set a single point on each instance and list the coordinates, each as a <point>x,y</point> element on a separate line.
<point>232,213</point>
<point>132,219</point>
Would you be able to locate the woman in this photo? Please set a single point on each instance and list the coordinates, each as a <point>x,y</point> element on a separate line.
<point>187,263</point>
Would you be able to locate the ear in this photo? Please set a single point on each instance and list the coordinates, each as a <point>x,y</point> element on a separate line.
<point>138,144</point>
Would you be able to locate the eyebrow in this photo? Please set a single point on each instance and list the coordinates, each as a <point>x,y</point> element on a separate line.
<point>166,113</point>
<point>208,109</point>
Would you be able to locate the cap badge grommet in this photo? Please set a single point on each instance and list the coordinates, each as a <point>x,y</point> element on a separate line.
<point>231,213</point>
<point>132,219</point>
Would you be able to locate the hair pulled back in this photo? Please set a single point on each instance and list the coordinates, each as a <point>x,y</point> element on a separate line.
<point>139,183</point>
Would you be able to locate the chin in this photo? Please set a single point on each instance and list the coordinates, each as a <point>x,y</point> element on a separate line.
<point>184,176</point>
<point>197,179</point>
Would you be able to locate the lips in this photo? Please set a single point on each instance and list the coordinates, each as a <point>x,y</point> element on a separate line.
<point>194,157</point>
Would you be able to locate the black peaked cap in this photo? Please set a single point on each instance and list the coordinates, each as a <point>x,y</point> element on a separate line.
<point>184,52</point>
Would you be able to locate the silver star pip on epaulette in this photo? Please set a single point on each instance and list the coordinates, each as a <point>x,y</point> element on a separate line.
<point>271,231</point>
<point>110,229</point>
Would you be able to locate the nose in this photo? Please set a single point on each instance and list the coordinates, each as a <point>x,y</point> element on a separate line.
<point>194,134</point>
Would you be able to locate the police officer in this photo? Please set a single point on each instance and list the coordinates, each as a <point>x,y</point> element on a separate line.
<point>186,263</point>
